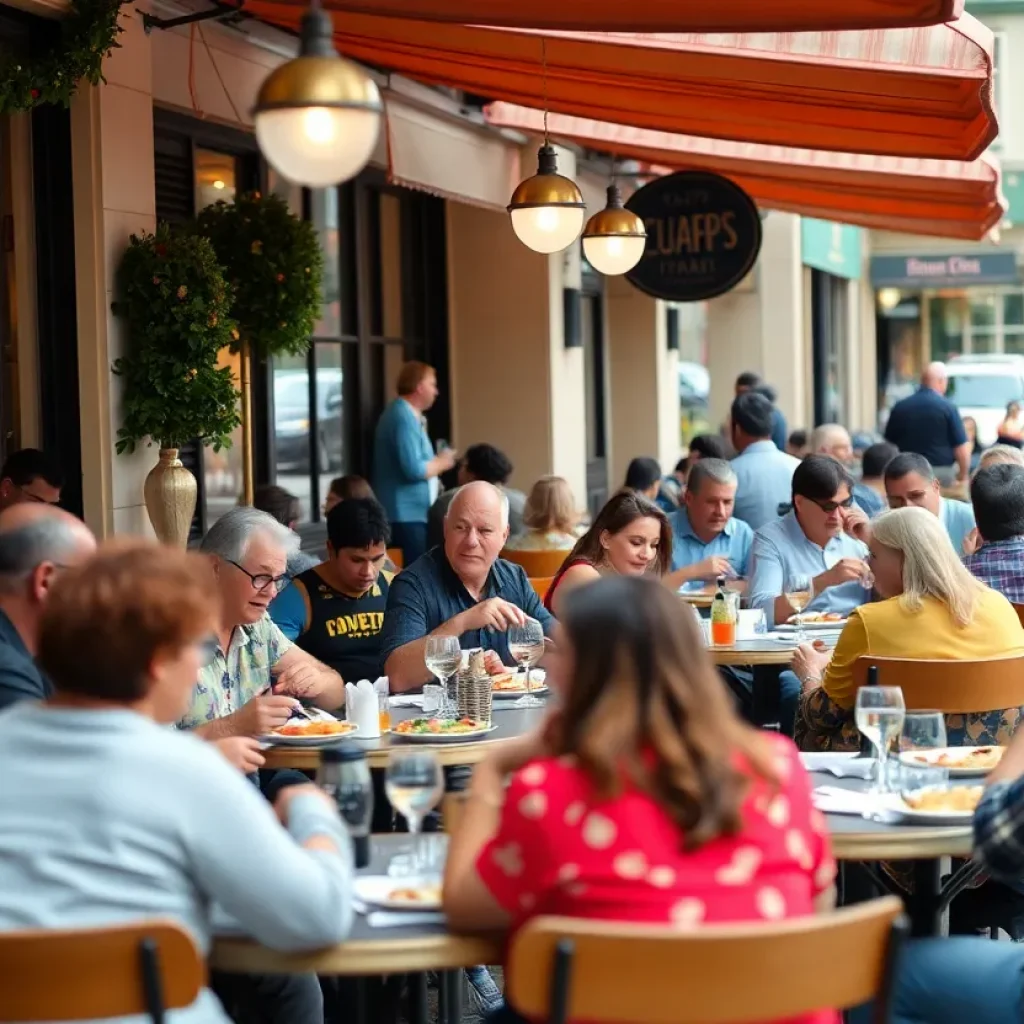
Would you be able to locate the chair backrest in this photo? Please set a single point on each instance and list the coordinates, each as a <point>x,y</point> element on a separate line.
<point>1019,609</point>
<point>95,973</point>
<point>568,968</point>
<point>397,557</point>
<point>541,585</point>
<point>954,687</point>
<point>536,563</point>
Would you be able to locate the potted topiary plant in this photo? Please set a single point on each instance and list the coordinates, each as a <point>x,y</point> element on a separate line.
<point>177,308</point>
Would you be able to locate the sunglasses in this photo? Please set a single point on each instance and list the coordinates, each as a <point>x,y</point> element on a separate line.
<point>828,507</point>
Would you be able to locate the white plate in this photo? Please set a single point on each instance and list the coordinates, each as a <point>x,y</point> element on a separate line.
<point>901,812</point>
<point>534,691</point>
<point>376,889</point>
<point>924,759</point>
<point>791,627</point>
<point>276,740</point>
<point>431,737</point>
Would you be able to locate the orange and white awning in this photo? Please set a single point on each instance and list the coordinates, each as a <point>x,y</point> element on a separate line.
<point>922,92</point>
<point>667,15</point>
<point>950,198</point>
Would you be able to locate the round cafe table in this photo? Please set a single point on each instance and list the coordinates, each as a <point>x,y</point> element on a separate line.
<point>510,721</point>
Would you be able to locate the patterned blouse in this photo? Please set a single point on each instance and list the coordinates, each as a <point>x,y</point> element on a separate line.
<point>233,679</point>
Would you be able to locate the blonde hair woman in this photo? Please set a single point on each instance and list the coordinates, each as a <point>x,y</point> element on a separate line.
<point>931,607</point>
<point>550,517</point>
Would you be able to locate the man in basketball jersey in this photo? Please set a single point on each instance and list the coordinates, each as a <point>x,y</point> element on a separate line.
<point>335,611</point>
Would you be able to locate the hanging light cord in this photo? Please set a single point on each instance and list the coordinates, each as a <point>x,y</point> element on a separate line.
<point>544,78</point>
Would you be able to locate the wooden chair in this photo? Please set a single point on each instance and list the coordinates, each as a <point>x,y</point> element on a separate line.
<point>396,556</point>
<point>953,687</point>
<point>96,973</point>
<point>567,968</point>
<point>537,564</point>
<point>1019,609</point>
<point>541,585</point>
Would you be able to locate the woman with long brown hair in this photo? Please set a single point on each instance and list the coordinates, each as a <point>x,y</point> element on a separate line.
<point>631,536</point>
<point>645,798</point>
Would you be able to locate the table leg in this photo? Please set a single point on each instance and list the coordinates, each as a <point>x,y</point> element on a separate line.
<point>419,1008</point>
<point>766,696</point>
<point>924,905</point>
<point>450,997</point>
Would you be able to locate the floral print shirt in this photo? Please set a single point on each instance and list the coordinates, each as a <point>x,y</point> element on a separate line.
<point>235,677</point>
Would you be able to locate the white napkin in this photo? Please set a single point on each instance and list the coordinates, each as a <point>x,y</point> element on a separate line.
<point>842,766</point>
<point>403,700</point>
<point>746,625</point>
<point>361,708</point>
<point>833,800</point>
<point>396,918</point>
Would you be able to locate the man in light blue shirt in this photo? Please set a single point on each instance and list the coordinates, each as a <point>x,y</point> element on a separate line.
<point>405,467</point>
<point>910,480</point>
<point>764,475</point>
<point>707,541</point>
<point>807,549</point>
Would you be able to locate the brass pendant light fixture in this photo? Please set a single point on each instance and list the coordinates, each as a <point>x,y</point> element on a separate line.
<point>318,116</point>
<point>547,210</point>
<point>614,239</point>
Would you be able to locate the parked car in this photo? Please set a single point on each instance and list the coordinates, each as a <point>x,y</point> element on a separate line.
<point>292,420</point>
<point>982,386</point>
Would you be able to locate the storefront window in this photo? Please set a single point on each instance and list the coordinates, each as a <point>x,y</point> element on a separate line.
<point>324,207</point>
<point>215,177</point>
<point>945,319</point>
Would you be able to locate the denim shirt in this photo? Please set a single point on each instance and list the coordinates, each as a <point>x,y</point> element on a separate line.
<point>429,593</point>
<point>401,451</point>
<point>688,549</point>
<point>764,481</point>
<point>781,549</point>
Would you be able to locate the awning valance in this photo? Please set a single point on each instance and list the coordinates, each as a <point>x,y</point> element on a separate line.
<point>950,198</point>
<point>903,92</point>
<point>667,15</point>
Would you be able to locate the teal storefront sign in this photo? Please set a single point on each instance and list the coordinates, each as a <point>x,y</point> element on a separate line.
<point>834,248</point>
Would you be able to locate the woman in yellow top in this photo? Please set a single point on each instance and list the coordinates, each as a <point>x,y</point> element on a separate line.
<point>932,607</point>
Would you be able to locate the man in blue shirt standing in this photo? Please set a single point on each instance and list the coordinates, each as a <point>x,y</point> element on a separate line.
<point>707,541</point>
<point>405,468</point>
<point>764,474</point>
<point>929,424</point>
<point>910,480</point>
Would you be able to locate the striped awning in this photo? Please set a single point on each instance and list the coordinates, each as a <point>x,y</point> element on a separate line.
<point>923,92</point>
<point>949,198</point>
<point>667,15</point>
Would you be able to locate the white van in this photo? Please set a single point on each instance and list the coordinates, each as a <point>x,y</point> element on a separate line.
<point>982,386</point>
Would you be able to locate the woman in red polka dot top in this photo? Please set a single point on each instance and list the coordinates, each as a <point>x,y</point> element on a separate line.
<point>645,798</point>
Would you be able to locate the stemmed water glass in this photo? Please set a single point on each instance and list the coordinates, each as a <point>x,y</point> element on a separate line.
<point>526,645</point>
<point>799,592</point>
<point>443,656</point>
<point>879,714</point>
<point>923,731</point>
<point>414,783</point>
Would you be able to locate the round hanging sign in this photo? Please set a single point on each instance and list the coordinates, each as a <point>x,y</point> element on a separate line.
<point>703,236</point>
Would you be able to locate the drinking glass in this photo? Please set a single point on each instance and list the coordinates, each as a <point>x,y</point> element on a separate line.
<point>879,715</point>
<point>414,783</point>
<point>526,645</point>
<point>799,592</point>
<point>922,731</point>
<point>443,656</point>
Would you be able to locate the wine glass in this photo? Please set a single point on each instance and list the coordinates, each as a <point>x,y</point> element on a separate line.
<point>799,592</point>
<point>443,656</point>
<point>414,783</point>
<point>879,715</point>
<point>526,645</point>
<point>923,731</point>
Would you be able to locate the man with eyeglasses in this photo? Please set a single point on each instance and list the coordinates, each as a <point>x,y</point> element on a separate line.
<point>30,476</point>
<point>37,541</point>
<point>255,673</point>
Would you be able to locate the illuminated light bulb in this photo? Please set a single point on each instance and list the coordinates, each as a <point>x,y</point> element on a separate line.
<point>547,210</point>
<point>614,239</point>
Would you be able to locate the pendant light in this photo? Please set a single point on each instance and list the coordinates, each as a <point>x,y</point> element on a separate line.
<point>614,239</point>
<point>318,116</point>
<point>547,210</point>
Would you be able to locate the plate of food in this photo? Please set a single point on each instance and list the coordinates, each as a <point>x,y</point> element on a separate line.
<point>813,620</point>
<point>320,732</point>
<point>935,805</point>
<point>512,683</point>
<point>440,730</point>
<point>399,893</point>
<point>962,762</point>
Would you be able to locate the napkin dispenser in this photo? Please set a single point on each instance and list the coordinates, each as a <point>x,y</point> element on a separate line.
<point>361,708</point>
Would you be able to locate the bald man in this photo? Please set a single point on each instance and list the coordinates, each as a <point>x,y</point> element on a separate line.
<point>461,588</point>
<point>37,541</point>
<point>929,424</point>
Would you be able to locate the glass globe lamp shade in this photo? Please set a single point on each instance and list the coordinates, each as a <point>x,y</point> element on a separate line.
<point>547,210</point>
<point>614,239</point>
<point>318,116</point>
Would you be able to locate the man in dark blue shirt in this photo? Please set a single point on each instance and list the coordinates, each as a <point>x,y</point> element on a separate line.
<point>929,424</point>
<point>461,588</point>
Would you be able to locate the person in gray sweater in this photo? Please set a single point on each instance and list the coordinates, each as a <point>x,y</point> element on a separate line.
<point>111,816</point>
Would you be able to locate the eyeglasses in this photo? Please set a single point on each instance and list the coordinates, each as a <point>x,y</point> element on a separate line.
<point>208,649</point>
<point>37,499</point>
<point>828,507</point>
<point>262,580</point>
